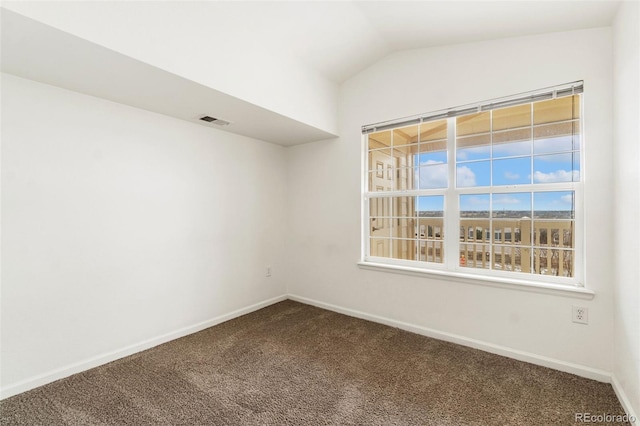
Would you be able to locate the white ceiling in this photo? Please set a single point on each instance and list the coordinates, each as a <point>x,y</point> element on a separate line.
<point>42,53</point>
<point>332,39</point>
<point>339,39</point>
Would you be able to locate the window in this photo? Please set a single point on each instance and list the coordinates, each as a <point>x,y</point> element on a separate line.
<point>492,189</point>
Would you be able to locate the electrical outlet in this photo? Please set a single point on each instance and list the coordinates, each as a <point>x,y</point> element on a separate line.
<point>580,315</point>
<point>268,271</point>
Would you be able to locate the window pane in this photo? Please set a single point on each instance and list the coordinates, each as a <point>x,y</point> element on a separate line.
<point>380,226</point>
<point>512,205</point>
<point>431,157</point>
<point>404,227</point>
<point>507,232</point>
<point>380,161</point>
<point>512,117</point>
<point>403,178</point>
<point>400,169</point>
<point>473,124</point>
<point>473,148</point>
<point>438,148</point>
<point>380,207</point>
<point>510,258</point>
<point>512,143</point>
<point>556,137</point>
<point>555,168</point>
<point>475,173</point>
<point>374,184</point>
<point>431,206</point>
<point>512,171</point>
<point>434,176</point>
<point>430,229</point>
<point>404,206</point>
<point>566,263</point>
<point>380,139</point>
<point>382,156</point>
<point>405,135</point>
<point>554,233</point>
<point>473,206</point>
<point>475,230</point>
<point>404,155</point>
<point>553,144</point>
<point>475,256</point>
<point>432,163</point>
<point>404,249</point>
<point>380,247</point>
<point>433,130</point>
<point>553,262</point>
<point>431,251</point>
<point>553,205</point>
<point>555,110</point>
<point>398,207</point>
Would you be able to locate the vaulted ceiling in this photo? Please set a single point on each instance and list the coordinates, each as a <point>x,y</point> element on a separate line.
<point>340,39</point>
<point>266,65</point>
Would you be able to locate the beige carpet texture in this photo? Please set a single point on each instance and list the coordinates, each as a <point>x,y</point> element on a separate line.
<point>294,364</point>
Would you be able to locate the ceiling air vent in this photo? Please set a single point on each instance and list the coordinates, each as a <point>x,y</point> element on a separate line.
<point>213,120</point>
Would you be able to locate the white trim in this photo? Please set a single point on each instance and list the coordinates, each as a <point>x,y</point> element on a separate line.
<point>567,367</point>
<point>623,398</point>
<point>486,280</point>
<point>98,360</point>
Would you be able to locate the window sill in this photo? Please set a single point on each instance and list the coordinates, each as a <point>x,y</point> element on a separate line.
<point>512,284</point>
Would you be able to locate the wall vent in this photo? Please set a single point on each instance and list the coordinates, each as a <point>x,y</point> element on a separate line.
<point>213,120</point>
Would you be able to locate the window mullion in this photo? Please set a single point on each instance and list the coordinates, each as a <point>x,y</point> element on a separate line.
<point>452,205</point>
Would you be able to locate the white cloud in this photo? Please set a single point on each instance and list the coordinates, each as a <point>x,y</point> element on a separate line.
<point>465,176</point>
<point>505,199</point>
<point>557,176</point>
<point>567,199</point>
<point>473,152</point>
<point>553,146</point>
<point>510,148</point>
<point>434,176</point>
<point>470,202</point>
<point>511,176</point>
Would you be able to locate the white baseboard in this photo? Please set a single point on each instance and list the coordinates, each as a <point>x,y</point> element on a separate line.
<point>567,367</point>
<point>87,364</point>
<point>623,398</point>
<point>96,361</point>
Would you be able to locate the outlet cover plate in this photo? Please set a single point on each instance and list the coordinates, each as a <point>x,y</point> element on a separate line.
<point>580,315</point>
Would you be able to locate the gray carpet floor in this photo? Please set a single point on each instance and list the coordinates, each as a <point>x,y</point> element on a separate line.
<point>295,364</point>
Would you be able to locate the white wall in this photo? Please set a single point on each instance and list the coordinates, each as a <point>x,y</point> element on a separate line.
<point>324,199</point>
<point>200,41</point>
<point>120,225</point>
<point>626,264</point>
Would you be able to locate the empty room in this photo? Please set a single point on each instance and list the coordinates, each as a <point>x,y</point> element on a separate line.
<point>324,212</point>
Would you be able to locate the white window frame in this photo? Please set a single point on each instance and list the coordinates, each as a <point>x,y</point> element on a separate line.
<point>450,268</point>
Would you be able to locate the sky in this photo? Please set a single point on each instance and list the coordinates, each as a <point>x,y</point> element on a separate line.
<point>538,201</point>
<point>517,162</point>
